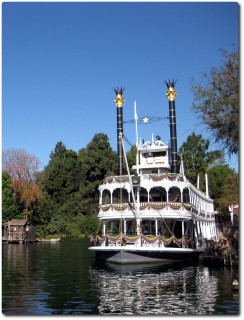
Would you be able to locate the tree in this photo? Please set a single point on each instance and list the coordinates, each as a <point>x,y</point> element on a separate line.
<point>229,193</point>
<point>62,175</point>
<point>20,165</point>
<point>196,156</point>
<point>97,160</point>
<point>44,210</point>
<point>70,187</point>
<point>216,101</point>
<point>131,156</point>
<point>29,195</point>
<point>9,205</point>
<point>59,151</point>
<point>223,186</point>
<point>22,168</point>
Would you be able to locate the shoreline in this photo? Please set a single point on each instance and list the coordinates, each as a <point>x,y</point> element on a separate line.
<point>48,240</point>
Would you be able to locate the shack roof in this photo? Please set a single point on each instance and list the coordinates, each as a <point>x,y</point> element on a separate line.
<point>18,222</point>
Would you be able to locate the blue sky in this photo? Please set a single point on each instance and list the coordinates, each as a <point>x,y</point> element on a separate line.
<point>60,62</point>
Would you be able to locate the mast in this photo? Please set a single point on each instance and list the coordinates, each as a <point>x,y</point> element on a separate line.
<point>136,203</point>
<point>206,181</point>
<point>119,101</point>
<point>171,94</point>
<point>137,142</point>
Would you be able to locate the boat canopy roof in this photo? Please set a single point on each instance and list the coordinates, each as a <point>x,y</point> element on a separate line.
<point>156,146</point>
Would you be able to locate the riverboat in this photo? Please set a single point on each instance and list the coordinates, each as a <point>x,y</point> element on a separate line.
<point>155,214</point>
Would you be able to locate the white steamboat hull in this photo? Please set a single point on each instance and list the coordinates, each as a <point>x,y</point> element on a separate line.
<point>134,254</point>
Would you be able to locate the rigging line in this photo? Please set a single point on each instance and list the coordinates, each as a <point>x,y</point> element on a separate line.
<point>128,141</point>
<point>151,198</point>
<point>130,180</point>
<point>146,120</point>
<point>131,208</point>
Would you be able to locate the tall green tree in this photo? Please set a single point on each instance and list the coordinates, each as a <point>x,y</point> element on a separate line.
<point>70,181</point>
<point>216,101</point>
<point>61,182</point>
<point>44,211</point>
<point>10,208</point>
<point>62,175</point>
<point>197,157</point>
<point>45,207</point>
<point>229,193</point>
<point>219,176</point>
<point>97,160</point>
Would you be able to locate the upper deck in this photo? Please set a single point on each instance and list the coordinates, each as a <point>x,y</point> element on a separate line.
<point>154,157</point>
<point>165,194</point>
<point>157,192</point>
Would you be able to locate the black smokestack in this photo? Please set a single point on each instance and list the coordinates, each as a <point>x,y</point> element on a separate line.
<point>171,94</point>
<point>119,101</point>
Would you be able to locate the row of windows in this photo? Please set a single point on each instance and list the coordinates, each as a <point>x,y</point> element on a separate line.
<point>154,154</point>
<point>156,194</point>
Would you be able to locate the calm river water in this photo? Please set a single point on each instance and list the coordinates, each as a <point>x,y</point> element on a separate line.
<point>63,278</point>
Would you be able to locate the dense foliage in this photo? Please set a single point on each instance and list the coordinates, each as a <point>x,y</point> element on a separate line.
<point>63,198</point>
<point>10,207</point>
<point>197,157</point>
<point>68,195</point>
<point>223,187</point>
<point>21,167</point>
<point>222,180</point>
<point>216,101</point>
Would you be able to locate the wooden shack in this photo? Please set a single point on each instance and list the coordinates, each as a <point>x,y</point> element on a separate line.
<point>18,231</point>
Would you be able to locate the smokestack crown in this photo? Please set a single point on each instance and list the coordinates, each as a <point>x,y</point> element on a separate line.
<point>171,93</point>
<point>119,100</point>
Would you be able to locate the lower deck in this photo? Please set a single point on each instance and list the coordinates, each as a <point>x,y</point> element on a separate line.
<point>182,233</point>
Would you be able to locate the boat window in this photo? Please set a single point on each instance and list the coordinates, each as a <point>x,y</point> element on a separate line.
<point>106,197</point>
<point>146,154</point>
<point>160,154</point>
<point>143,195</point>
<point>154,154</point>
<point>174,194</point>
<point>186,195</point>
<point>158,194</point>
<point>120,195</point>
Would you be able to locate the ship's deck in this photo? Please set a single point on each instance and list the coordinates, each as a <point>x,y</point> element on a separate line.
<point>142,249</point>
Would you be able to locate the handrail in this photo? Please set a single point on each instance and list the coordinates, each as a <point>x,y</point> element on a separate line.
<point>149,176</point>
<point>141,239</point>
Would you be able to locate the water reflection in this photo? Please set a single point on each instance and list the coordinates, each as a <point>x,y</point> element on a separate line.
<point>46,278</point>
<point>155,290</point>
<point>63,278</point>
